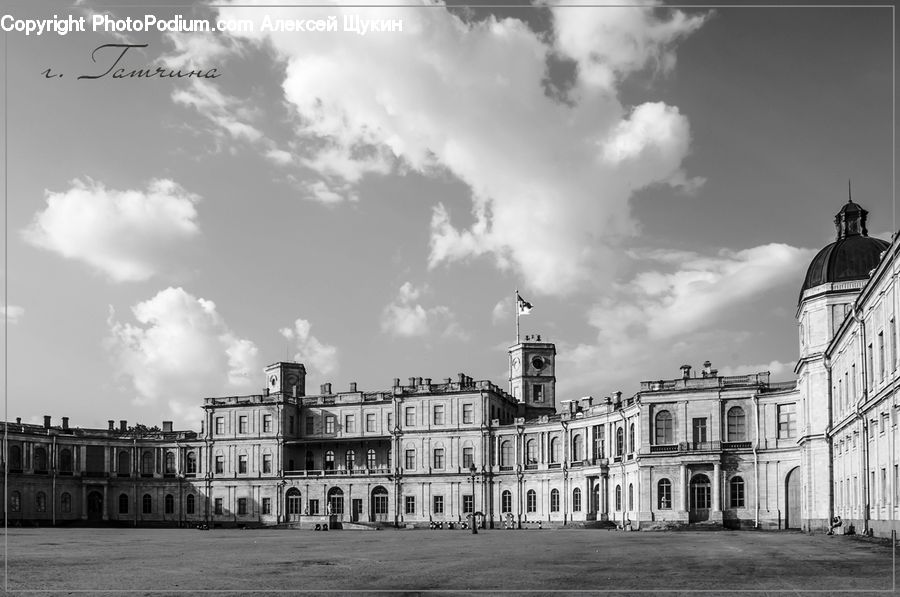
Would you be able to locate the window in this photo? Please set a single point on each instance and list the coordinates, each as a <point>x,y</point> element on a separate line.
<point>506,453</point>
<point>170,503</point>
<point>40,459</point>
<point>370,422</point>
<point>576,500</point>
<point>15,458</point>
<point>314,507</point>
<point>554,449</point>
<point>631,438</point>
<point>336,500</point>
<point>242,464</point>
<point>65,503</point>
<point>871,368</point>
<point>291,424</point>
<point>349,424</point>
<point>531,451</point>
<point>65,460</point>
<point>620,441</point>
<point>409,502</point>
<point>329,423</point>
<point>123,503</point>
<point>577,453</point>
<point>267,505</point>
<point>468,413</point>
<point>664,494</point>
<point>147,463</point>
<point>170,463</point>
<point>190,503</point>
<point>349,459</point>
<point>390,422</point>
<point>437,504</point>
<point>531,501</point>
<point>631,496</point>
<point>40,501</point>
<point>242,424</point>
<point>737,424</point>
<point>242,506</point>
<point>663,428</point>
<point>370,459</point>
<point>438,414</point>
<point>147,503</point>
<point>468,457</point>
<point>267,463</point>
<point>881,355</point>
<point>554,500</point>
<point>439,458</point>
<point>329,460</point>
<point>220,463</point>
<point>537,392</point>
<point>410,415</point>
<point>736,492</point>
<point>15,501</point>
<point>893,332</point>
<point>884,487</point>
<point>599,440</point>
<point>191,463</point>
<point>896,484</point>
<point>787,420</point>
<point>267,423</point>
<point>699,430</point>
<point>310,425</point>
<point>468,504</point>
<point>506,502</point>
<point>220,425</point>
<point>618,497</point>
<point>410,459</point>
<point>217,506</point>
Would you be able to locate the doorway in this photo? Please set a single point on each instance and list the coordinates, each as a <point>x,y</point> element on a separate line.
<point>95,506</point>
<point>792,497</point>
<point>700,498</point>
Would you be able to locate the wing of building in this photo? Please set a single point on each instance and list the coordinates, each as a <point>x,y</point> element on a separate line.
<point>739,451</point>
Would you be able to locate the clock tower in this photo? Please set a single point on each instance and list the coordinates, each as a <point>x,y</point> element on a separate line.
<point>282,378</point>
<point>532,372</point>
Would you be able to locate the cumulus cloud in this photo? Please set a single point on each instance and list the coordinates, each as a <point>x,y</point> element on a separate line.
<point>320,359</point>
<point>122,234</point>
<point>501,311</point>
<point>549,177</point>
<point>181,349</point>
<point>405,317</point>
<point>12,313</point>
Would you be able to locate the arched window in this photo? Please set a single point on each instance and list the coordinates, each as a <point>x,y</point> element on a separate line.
<point>506,454</point>
<point>577,452</point>
<point>294,501</point>
<point>40,460</point>
<point>170,463</point>
<point>736,492</point>
<point>336,500</point>
<point>737,424</point>
<point>506,502</point>
<point>370,459</point>
<point>15,458</point>
<point>576,500</point>
<point>190,503</point>
<point>170,504</point>
<point>631,438</point>
<point>620,441</point>
<point>15,501</point>
<point>65,460</point>
<point>663,428</point>
<point>380,501</point>
<point>191,463</point>
<point>349,459</point>
<point>147,463</point>
<point>554,449</point>
<point>618,497</point>
<point>631,496</point>
<point>531,452</point>
<point>664,494</point>
<point>40,501</point>
<point>531,501</point>
<point>554,500</point>
<point>329,460</point>
<point>124,463</point>
<point>123,503</point>
<point>147,503</point>
<point>65,502</point>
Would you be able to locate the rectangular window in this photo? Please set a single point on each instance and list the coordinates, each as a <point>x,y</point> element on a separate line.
<point>267,505</point>
<point>884,487</point>
<point>896,484</point>
<point>893,332</point>
<point>439,458</point>
<point>314,507</point>
<point>349,424</point>
<point>291,424</point>
<point>390,422</point>
<point>242,424</point>
<point>787,420</point>
<point>310,426</point>
<point>220,425</point>
<point>370,422</point>
<point>267,463</point>
<point>870,363</point>
<point>217,506</point>
<point>598,441</point>
<point>329,424</point>
<point>410,459</point>
<point>410,504</point>
<point>468,414</point>
<point>410,416</point>
<point>439,414</point>
<point>220,464</point>
<point>242,506</point>
<point>242,464</point>
<point>881,363</point>
<point>468,457</point>
<point>468,504</point>
<point>537,392</point>
<point>699,430</point>
<point>438,504</point>
<point>267,423</point>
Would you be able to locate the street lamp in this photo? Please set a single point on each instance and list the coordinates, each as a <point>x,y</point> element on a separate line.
<point>472,521</point>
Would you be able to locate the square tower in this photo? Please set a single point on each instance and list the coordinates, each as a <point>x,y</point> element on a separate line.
<point>283,377</point>
<point>532,373</point>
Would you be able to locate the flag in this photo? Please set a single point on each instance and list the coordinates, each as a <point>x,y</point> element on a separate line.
<point>523,306</point>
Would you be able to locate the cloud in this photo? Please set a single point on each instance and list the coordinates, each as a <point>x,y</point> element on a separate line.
<point>778,370</point>
<point>549,177</point>
<point>320,359</point>
<point>12,313</point>
<point>122,234</point>
<point>404,317</point>
<point>502,311</point>
<point>179,350</point>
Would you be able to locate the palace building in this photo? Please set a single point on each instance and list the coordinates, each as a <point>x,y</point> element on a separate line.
<point>700,448</point>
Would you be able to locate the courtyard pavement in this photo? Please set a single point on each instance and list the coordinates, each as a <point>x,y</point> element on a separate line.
<point>186,562</point>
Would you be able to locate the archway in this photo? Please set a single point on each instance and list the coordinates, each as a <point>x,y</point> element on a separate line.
<point>792,499</point>
<point>293,504</point>
<point>95,506</point>
<point>378,509</point>
<point>700,498</point>
<point>335,501</point>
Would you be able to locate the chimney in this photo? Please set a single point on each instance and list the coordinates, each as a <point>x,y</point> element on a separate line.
<point>65,421</point>
<point>707,369</point>
<point>412,381</point>
<point>352,386</point>
<point>321,388</point>
<point>123,425</point>
<point>396,382</point>
<point>685,371</point>
<point>618,397</point>
<point>448,380</point>
<point>18,420</point>
<point>462,378</point>
<point>427,381</point>
<point>112,425</point>
<point>167,426</point>
<point>46,421</point>
<point>328,388</point>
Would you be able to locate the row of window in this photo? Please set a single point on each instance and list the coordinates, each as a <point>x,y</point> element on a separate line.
<point>40,461</point>
<point>243,463</point>
<point>847,495</point>
<point>244,424</point>
<point>699,492</point>
<point>437,458</point>
<point>736,425</point>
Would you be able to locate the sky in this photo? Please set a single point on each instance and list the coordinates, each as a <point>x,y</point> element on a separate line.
<point>655,181</point>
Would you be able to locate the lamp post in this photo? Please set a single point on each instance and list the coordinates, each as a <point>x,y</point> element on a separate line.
<point>472,521</point>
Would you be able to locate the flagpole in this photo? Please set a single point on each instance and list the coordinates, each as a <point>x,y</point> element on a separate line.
<point>516,307</point>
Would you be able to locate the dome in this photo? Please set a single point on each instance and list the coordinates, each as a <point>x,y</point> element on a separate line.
<point>852,256</point>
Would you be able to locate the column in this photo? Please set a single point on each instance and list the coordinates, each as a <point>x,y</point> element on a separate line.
<point>684,488</point>
<point>105,503</point>
<point>717,487</point>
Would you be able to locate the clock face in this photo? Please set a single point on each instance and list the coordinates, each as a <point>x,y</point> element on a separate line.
<point>538,363</point>
<point>516,363</point>
<point>292,380</point>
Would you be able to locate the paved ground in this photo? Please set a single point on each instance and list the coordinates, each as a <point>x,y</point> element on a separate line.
<point>165,560</point>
